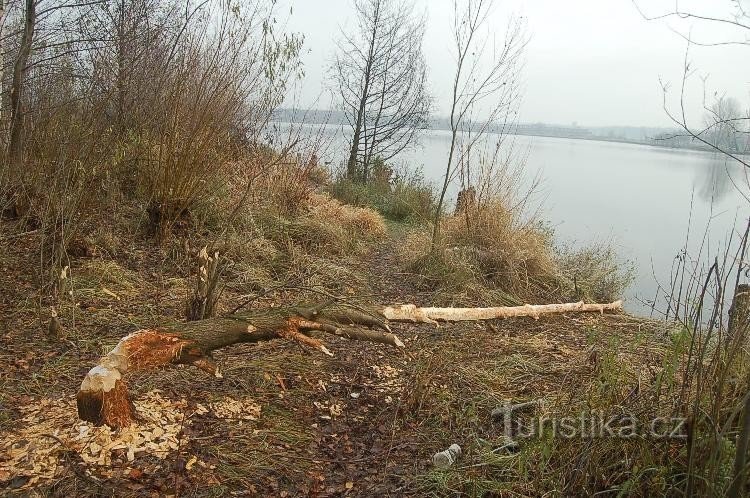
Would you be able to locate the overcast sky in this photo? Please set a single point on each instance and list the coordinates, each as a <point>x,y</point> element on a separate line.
<point>592,62</point>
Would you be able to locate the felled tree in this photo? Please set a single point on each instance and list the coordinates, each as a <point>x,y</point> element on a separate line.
<point>103,397</point>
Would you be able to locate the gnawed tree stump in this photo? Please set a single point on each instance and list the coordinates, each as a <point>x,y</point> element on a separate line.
<point>739,312</point>
<point>103,397</point>
<point>203,303</point>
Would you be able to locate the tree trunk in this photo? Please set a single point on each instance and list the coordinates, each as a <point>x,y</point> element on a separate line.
<point>15,145</point>
<point>739,320</point>
<point>103,396</point>
<point>351,165</point>
<point>2,58</point>
<point>411,313</point>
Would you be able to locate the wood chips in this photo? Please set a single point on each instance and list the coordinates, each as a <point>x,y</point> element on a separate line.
<point>49,430</point>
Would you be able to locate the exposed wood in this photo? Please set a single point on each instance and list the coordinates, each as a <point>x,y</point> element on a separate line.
<point>412,313</point>
<point>207,292</point>
<point>103,396</point>
<point>739,313</point>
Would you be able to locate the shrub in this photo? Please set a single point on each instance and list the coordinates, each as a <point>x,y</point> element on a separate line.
<point>510,254</point>
<point>488,254</point>
<point>400,196</point>
<point>185,151</point>
<point>284,181</point>
<point>593,273</point>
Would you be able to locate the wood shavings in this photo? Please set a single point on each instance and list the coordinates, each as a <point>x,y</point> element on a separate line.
<point>388,378</point>
<point>233,409</point>
<point>50,427</point>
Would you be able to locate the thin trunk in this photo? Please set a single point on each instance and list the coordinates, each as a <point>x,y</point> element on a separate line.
<point>455,123</point>
<point>351,165</point>
<point>454,136</point>
<point>2,59</point>
<point>15,146</point>
<point>121,69</point>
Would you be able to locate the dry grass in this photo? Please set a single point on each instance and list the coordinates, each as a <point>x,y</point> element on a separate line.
<point>362,223</point>
<point>492,255</point>
<point>490,251</point>
<point>510,253</point>
<point>367,420</point>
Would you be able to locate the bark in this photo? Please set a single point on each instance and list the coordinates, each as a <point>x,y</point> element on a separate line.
<point>103,396</point>
<point>2,58</point>
<point>739,320</point>
<point>739,312</point>
<point>15,146</point>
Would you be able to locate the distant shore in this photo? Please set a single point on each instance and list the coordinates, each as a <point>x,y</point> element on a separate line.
<point>648,134</point>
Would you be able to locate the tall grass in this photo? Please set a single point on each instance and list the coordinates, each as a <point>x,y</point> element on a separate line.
<point>704,379</point>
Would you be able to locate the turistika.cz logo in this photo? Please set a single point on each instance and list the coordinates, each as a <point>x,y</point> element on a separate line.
<point>590,425</point>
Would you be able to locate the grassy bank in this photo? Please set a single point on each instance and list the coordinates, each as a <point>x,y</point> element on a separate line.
<point>287,421</point>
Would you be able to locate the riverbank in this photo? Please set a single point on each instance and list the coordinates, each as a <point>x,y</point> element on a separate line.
<point>642,201</point>
<point>288,421</point>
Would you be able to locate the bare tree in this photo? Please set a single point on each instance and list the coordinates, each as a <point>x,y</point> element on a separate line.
<point>723,125</point>
<point>15,145</point>
<point>381,76</point>
<point>739,21</point>
<point>720,132</point>
<point>485,82</point>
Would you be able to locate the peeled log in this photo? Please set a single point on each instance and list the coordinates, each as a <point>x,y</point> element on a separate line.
<point>103,396</point>
<point>411,313</point>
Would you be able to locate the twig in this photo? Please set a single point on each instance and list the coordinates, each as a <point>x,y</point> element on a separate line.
<point>18,235</point>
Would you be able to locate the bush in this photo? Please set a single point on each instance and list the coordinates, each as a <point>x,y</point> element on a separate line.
<point>401,196</point>
<point>510,254</point>
<point>285,181</point>
<point>488,251</point>
<point>593,273</point>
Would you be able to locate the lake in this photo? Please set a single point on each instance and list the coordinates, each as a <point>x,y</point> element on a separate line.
<point>636,197</point>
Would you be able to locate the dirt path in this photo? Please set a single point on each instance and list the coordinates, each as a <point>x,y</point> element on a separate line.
<point>388,281</point>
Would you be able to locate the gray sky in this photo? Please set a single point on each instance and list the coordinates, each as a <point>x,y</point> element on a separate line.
<point>594,62</point>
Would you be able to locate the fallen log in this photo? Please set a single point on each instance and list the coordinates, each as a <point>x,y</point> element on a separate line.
<point>103,397</point>
<point>412,313</point>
